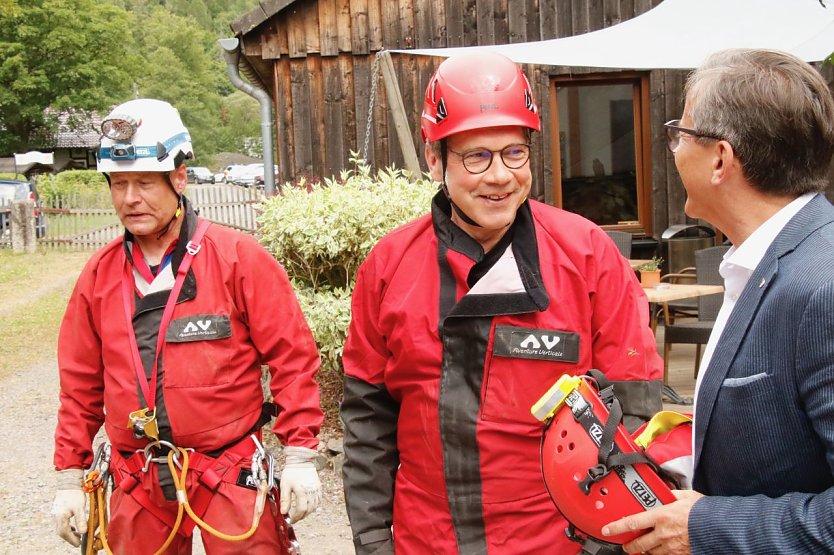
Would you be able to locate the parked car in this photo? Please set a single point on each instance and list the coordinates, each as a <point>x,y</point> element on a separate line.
<point>230,173</point>
<point>13,189</point>
<point>259,179</point>
<point>245,177</point>
<point>199,174</point>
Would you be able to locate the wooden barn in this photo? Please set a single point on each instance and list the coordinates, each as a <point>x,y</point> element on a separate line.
<point>316,60</point>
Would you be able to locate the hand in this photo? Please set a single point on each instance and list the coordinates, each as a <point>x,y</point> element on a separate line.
<point>300,484</point>
<point>667,527</point>
<point>68,508</point>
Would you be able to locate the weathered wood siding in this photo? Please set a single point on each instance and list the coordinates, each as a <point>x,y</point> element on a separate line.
<point>322,54</point>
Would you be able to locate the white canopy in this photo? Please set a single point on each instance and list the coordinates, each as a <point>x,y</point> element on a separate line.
<point>680,34</point>
<point>34,157</point>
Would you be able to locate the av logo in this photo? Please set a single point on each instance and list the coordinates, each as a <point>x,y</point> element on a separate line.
<point>532,342</point>
<point>192,327</point>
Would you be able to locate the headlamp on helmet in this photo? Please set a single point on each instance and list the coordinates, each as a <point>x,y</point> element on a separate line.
<point>119,127</point>
<point>143,135</point>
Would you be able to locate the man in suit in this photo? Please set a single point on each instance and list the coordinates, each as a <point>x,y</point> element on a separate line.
<point>754,149</point>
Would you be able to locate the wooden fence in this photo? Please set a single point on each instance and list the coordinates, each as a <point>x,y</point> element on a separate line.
<point>88,221</point>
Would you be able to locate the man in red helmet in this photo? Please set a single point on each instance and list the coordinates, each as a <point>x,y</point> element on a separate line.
<point>462,319</point>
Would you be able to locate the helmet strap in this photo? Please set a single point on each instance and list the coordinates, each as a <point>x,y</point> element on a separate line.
<point>179,207</point>
<point>444,154</point>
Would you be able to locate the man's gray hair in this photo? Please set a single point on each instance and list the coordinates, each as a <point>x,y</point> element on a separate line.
<point>775,110</point>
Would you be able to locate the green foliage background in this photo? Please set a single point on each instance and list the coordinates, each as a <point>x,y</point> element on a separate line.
<point>84,55</point>
<point>321,233</point>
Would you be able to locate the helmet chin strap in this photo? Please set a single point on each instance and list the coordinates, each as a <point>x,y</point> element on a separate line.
<point>461,214</point>
<point>176,214</point>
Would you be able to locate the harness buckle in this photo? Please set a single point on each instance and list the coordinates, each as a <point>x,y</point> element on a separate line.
<point>149,455</point>
<point>193,248</point>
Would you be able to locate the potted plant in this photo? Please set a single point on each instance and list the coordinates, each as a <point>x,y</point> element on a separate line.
<point>650,272</point>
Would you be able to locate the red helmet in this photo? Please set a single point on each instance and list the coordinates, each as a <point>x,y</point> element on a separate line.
<point>594,471</point>
<point>474,91</point>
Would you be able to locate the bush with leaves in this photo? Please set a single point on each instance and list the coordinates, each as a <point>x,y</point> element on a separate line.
<point>72,183</point>
<point>321,233</point>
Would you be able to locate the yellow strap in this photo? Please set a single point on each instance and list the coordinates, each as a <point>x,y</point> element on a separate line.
<point>662,422</point>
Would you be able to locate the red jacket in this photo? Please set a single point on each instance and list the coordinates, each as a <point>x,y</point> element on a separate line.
<point>447,351</point>
<point>236,312</point>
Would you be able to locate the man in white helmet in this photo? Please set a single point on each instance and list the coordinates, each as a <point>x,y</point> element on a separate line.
<point>162,343</point>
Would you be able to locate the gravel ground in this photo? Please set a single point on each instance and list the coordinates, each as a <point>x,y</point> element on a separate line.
<point>28,404</point>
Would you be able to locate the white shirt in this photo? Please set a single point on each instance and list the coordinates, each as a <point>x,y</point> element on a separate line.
<point>736,268</point>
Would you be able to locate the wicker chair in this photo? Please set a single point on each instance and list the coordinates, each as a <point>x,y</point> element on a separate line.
<point>697,331</point>
<point>623,241</point>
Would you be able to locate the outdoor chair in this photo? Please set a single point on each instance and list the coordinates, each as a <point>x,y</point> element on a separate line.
<point>697,332</point>
<point>623,241</point>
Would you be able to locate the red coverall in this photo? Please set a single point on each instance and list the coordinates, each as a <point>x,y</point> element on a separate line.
<point>447,351</point>
<point>236,312</point>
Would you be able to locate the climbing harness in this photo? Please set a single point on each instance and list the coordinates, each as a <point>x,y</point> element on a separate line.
<point>179,461</point>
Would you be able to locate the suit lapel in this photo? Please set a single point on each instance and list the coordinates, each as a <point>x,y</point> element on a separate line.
<point>811,217</point>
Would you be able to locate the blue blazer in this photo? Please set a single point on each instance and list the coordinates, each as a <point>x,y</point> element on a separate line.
<point>764,423</point>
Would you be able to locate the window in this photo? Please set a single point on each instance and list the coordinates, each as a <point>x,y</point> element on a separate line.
<point>602,151</point>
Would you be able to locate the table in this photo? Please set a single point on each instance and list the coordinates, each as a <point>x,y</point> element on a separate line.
<point>664,293</point>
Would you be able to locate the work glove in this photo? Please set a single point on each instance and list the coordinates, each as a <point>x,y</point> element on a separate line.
<point>300,484</point>
<point>68,508</point>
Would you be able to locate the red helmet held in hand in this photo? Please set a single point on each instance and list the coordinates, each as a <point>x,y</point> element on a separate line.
<point>475,91</point>
<point>593,469</point>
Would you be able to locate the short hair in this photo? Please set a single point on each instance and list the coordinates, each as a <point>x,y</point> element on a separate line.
<point>775,110</point>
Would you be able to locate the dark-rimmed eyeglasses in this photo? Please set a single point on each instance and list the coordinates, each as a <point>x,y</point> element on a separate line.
<point>478,160</point>
<point>674,130</point>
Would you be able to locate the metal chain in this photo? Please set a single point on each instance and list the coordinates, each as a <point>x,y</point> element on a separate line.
<point>374,79</point>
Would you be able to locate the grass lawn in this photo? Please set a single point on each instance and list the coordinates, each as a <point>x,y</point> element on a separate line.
<point>34,289</point>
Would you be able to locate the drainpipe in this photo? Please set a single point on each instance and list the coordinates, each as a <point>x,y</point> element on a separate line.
<point>231,53</point>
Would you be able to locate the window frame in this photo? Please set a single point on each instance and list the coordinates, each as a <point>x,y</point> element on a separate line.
<point>640,86</point>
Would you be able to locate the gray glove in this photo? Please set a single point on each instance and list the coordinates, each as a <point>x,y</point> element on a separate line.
<point>300,484</point>
<point>68,509</point>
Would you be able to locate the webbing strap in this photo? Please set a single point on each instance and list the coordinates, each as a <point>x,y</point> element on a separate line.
<point>614,459</point>
<point>127,475</point>
<point>193,247</point>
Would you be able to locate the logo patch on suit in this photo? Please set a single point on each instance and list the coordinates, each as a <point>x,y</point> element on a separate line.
<point>199,327</point>
<point>246,480</point>
<point>556,345</point>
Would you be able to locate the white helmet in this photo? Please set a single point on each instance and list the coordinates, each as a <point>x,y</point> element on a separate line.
<point>143,135</point>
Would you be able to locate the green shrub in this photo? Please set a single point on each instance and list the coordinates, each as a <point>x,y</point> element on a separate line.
<point>321,233</point>
<point>71,182</point>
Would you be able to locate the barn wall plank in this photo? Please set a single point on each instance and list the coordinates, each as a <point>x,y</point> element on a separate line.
<point>317,123</point>
<point>303,155</point>
<point>335,152</point>
<point>360,28</point>
<point>328,30</point>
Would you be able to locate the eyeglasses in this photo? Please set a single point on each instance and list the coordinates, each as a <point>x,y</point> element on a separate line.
<point>674,130</point>
<point>479,160</point>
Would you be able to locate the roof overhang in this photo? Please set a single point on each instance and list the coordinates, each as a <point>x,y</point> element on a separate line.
<point>680,34</point>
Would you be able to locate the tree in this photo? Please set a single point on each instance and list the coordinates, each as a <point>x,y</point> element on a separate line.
<point>59,54</point>
<point>179,66</point>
